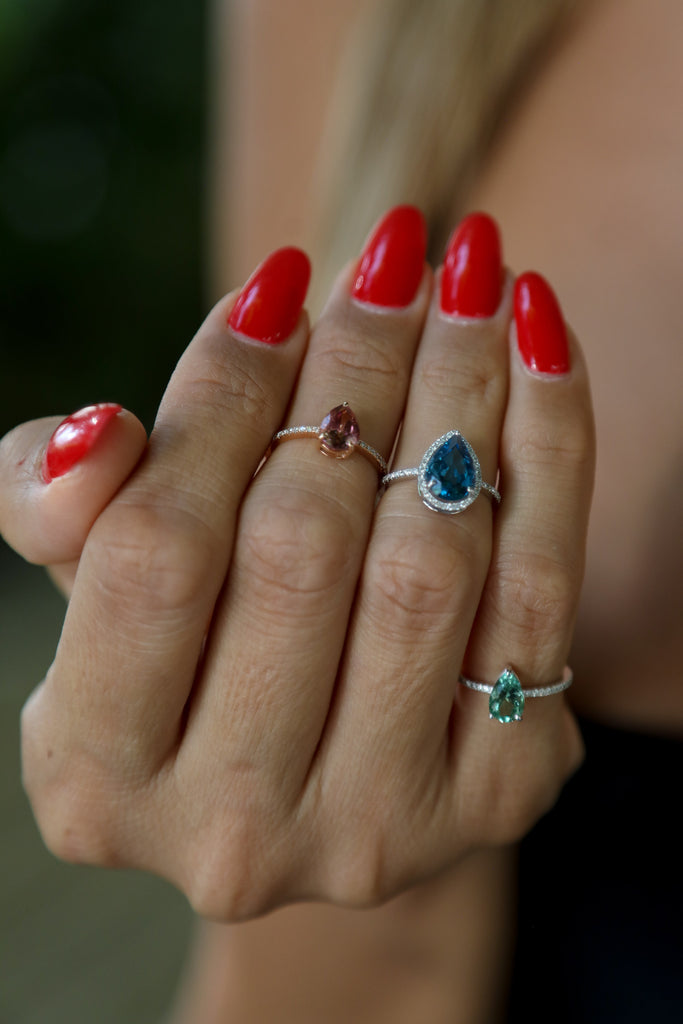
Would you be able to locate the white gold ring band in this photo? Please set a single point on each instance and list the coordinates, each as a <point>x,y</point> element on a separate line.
<point>507,695</point>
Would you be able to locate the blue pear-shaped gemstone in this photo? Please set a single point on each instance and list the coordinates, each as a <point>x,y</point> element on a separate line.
<point>506,702</point>
<point>450,472</point>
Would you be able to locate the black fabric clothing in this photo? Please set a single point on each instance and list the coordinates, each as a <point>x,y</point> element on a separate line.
<point>600,931</point>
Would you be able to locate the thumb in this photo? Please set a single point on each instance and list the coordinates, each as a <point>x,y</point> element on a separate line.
<point>57,476</point>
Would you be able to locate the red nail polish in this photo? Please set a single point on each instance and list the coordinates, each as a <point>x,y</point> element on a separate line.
<point>268,307</point>
<point>391,266</point>
<point>472,278</point>
<point>541,331</point>
<point>75,437</point>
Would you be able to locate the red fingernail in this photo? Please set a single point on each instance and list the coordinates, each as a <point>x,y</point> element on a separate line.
<point>391,266</point>
<point>75,437</point>
<point>472,278</point>
<point>269,305</point>
<point>541,331</point>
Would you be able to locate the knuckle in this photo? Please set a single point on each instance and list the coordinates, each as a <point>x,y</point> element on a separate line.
<point>345,359</point>
<point>12,448</point>
<point>17,473</point>
<point>73,830</point>
<point>295,549</point>
<point>416,584</point>
<point>377,854</point>
<point>542,443</point>
<point>6,457</point>
<point>230,876</point>
<point>151,557</point>
<point>361,878</point>
<point>538,596</point>
<point>227,388</point>
<point>74,811</point>
<point>373,862</point>
<point>476,380</point>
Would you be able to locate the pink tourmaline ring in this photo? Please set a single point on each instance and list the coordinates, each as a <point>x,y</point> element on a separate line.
<point>339,437</point>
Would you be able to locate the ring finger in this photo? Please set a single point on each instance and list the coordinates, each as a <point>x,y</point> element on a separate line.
<point>425,570</point>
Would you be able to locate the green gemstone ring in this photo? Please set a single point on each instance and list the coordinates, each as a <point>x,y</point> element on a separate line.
<point>507,697</point>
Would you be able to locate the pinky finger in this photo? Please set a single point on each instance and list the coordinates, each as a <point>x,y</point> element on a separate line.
<point>547,463</point>
<point>526,615</point>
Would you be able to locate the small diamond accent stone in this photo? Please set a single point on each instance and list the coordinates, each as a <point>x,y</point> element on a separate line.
<point>339,432</point>
<point>450,473</point>
<point>506,702</point>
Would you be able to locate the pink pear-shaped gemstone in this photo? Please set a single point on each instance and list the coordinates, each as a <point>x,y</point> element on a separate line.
<point>339,432</point>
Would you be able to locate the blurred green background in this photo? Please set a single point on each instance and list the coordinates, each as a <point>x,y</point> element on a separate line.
<point>101,151</point>
<point>101,125</point>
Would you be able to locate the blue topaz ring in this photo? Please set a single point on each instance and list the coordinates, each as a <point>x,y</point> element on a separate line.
<point>338,434</point>
<point>449,475</point>
<point>507,696</point>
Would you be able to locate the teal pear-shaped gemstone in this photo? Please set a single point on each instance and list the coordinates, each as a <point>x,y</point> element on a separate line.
<point>506,702</point>
<point>450,472</point>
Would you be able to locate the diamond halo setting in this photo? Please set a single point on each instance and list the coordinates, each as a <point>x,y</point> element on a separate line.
<point>449,475</point>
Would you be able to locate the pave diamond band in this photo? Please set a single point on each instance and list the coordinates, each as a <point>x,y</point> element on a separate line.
<point>507,695</point>
<point>449,475</point>
<point>413,474</point>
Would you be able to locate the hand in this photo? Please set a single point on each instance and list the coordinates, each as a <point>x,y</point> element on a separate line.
<point>255,693</point>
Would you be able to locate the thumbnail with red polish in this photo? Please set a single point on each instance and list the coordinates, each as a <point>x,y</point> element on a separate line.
<point>269,305</point>
<point>541,331</point>
<point>391,265</point>
<point>472,278</point>
<point>75,437</point>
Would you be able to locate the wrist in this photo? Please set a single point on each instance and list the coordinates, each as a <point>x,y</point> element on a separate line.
<point>440,951</point>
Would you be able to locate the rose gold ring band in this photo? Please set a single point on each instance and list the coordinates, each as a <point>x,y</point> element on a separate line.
<point>339,437</point>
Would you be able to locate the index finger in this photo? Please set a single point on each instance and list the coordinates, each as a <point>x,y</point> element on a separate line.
<point>156,559</point>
